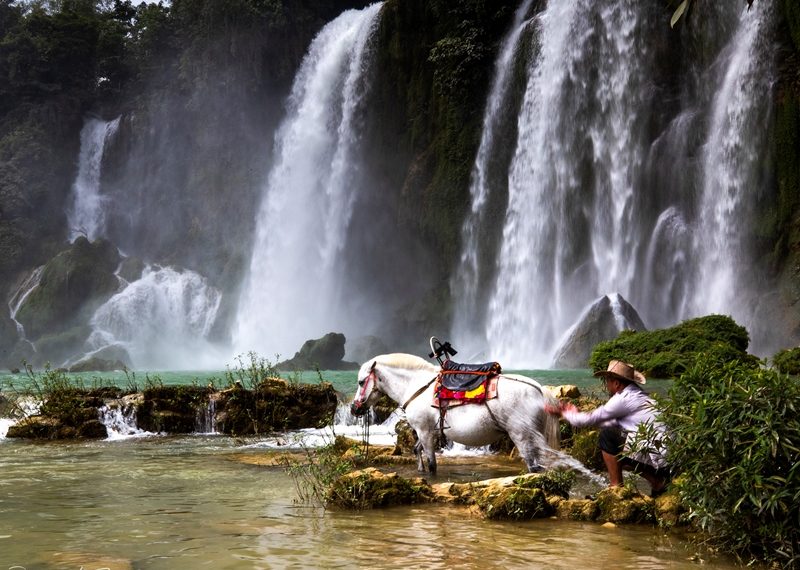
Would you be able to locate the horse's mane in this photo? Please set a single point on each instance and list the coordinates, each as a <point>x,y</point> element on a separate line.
<point>405,361</point>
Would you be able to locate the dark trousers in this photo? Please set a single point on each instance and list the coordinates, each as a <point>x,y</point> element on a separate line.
<point>612,441</point>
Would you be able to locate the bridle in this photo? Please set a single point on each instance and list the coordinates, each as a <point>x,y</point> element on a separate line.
<point>364,387</point>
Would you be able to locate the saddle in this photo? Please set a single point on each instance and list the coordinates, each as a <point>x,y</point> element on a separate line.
<point>465,384</point>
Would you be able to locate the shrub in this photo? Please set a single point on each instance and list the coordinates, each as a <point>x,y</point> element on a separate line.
<point>667,353</point>
<point>787,361</point>
<point>735,441</point>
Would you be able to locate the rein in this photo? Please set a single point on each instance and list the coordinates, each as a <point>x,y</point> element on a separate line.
<point>417,393</point>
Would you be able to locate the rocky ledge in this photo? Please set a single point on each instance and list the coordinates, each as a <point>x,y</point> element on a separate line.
<point>523,497</point>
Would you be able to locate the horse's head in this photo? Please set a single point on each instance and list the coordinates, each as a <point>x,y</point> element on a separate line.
<point>366,393</point>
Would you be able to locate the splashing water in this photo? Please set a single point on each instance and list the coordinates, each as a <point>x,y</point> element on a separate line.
<point>309,196</point>
<point>163,304</point>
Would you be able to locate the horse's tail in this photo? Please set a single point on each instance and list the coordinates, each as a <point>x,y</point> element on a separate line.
<point>552,433</point>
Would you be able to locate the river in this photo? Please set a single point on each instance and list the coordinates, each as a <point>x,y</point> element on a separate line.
<point>205,501</point>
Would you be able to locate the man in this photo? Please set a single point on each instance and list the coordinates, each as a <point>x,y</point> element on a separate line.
<point>620,419</point>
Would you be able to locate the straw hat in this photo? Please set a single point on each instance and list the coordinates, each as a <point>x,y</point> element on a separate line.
<point>622,371</point>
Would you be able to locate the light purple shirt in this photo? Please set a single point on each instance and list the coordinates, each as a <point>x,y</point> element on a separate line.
<point>626,410</point>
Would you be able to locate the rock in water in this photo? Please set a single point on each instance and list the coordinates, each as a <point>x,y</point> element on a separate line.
<point>325,353</point>
<point>603,320</point>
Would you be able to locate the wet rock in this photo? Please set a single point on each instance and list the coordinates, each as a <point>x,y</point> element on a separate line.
<point>370,488</point>
<point>95,364</point>
<point>568,391</point>
<point>171,409</point>
<point>624,505</point>
<point>73,284</point>
<point>111,354</point>
<point>325,353</point>
<point>275,405</point>
<point>406,438</point>
<point>669,510</point>
<point>577,510</point>
<point>584,446</point>
<point>603,320</point>
<point>131,269</point>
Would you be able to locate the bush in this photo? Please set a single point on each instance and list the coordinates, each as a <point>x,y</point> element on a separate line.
<point>787,361</point>
<point>735,441</point>
<point>667,353</point>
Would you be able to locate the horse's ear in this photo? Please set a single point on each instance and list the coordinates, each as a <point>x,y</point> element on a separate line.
<point>371,368</point>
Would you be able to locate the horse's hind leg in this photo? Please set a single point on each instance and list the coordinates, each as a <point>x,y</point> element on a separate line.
<point>529,451</point>
<point>426,445</point>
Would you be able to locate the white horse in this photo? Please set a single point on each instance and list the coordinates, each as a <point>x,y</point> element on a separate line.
<point>518,409</point>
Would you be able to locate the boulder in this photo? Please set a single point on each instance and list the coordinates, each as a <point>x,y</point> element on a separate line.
<point>131,269</point>
<point>624,505</point>
<point>325,353</point>
<point>94,364</point>
<point>603,320</point>
<point>569,391</point>
<point>73,284</point>
<point>111,357</point>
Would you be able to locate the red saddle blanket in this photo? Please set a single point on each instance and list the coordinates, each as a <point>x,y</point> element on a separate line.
<point>446,398</point>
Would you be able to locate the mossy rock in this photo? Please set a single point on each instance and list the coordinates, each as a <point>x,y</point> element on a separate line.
<point>534,495</point>
<point>624,505</point>
<point>370,488</point>
<point>577,510</point>
<point>171,409</point>
<point>73,284</point>
<point>513,503</point>
<point>669,510</point>
<point>44,427</point>
<point>584,448</point>
<point>667,353</point>
<point>406,438</point>
<point>276,405</point>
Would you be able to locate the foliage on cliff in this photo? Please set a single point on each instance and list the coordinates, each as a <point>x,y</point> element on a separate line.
<point>667,353</point>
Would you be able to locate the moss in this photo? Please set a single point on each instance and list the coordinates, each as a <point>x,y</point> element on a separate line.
<point>73,284</point>
<point>370,488</point>
<point>526,497</point>
<point>585,449</point>
<point>667,353</point>
<point>624,505</point>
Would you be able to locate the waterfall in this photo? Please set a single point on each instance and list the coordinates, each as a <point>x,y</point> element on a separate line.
<point>469,276</point>
<point>163,320</point>
<point>609,189</point>
<point>18,298</point>
<point>206,418</point>
<point>85,214</point>
<point>567,235</point>
<point>731,162</point>
<point>292,291</point>
<point>119,417</point>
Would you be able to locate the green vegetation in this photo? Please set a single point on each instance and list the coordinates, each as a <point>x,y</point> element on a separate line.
<point>667,353</point>
<point>735,443</point>
<point>787,361</point>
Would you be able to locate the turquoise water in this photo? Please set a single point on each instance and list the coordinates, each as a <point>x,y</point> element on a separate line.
<point>343,381</point>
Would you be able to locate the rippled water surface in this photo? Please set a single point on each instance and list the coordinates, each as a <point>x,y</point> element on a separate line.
<point>195,502</point>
